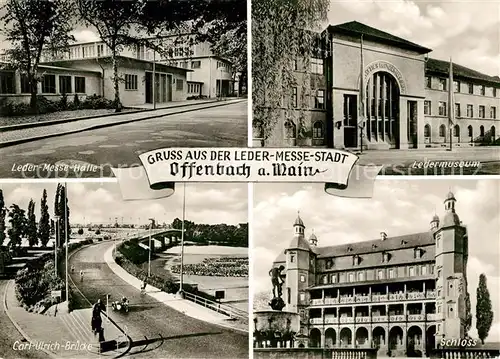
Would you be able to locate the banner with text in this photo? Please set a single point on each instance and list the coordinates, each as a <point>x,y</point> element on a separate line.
<point>163,167</point>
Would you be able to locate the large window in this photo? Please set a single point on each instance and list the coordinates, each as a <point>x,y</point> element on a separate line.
<point>457,110</point>
<point>471,89</point>
<point>65,84</point>
<point>7,83</point>
<point>442,84</point>
<point>49,84</point>
<point>442,108</point>
<point>442,130</point>
<point>483,90</point>
<point>179,85</point>
<point>79,84</point>
<point>195,64</point>
<point>25,85</point>
<point>317,66</point>
<point>456,85</point>
<point>470,131</point>
<point>493,112</point>
<point>318,130</point>
<point>427,131</point>
<point>481,111</point>
<point>391,273</point>
<point>427,108</point>
<point>130,82</point>
<point>319,100</point>
<point>470,111</point>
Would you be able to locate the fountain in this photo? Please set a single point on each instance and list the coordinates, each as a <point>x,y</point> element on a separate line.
<point>276,328</point>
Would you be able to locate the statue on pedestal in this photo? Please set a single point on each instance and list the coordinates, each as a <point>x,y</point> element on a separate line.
<point>277,279</point>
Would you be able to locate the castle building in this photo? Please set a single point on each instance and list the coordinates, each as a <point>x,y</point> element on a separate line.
<point>406,100</point>
<point>400,294</point>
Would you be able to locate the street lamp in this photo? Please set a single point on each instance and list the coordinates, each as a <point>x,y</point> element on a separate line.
<point>56,241</point>
<point>66,235</point>
<point>149,259</point>
<point>181,284</point>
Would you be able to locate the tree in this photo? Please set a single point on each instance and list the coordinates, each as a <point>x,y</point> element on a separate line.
<point>31,26</point>
<point>57,214</point>
<point>3,213</point>
<point>52,227</point>
<point>281,34</point>
<point>62,210</point>
<point>484,313</point>
<point>468,312</point>
<point>17,228</point>
<point>31,232</point>
<point>44,225</point>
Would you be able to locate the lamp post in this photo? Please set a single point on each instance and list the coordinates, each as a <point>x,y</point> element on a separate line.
<point>66,235</point>
<point>56,242</point>
<point>181,284</point>
<point>149,260</point>
<point>154,80</point>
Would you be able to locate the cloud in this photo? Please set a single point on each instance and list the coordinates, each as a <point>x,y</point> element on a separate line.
<point>443,26</point>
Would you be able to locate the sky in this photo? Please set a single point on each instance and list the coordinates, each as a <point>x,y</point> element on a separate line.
<point>398,207</point>
<point>101,203</point>
<point>468,31</point>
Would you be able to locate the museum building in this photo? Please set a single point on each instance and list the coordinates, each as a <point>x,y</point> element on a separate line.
<point>400,294</point>
<point>406,100</point>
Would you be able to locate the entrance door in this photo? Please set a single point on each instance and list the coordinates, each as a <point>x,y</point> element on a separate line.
<point>350,121</point>
<point>149,87</point>
<point>412,124</point>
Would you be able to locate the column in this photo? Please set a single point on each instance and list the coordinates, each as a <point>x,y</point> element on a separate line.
<point>424,287</point>
<point>387,289</point>
<point>403,122</point>
<point>323,315</point>
<point>323,338</point>
<point>338,294</point>
<point>405,309</point>
<point>405,289</point>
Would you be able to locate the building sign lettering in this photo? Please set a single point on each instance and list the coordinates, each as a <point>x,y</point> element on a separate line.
<point>386,66</point>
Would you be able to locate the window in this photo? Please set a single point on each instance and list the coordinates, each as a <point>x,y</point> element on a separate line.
<point>195,64</point>
<point>424,270</point>
<point>317,66</point>
<point>483,90</point>
<point>439,275</point>
<point>442,108</point>
<point>292,258</point>
<point>439,309</point>
<point>470,111</point>
<point>442,131</point>
<point>442,84</point>
<point>391,273</point>
<point>288,295</point>
<point>494,92</point>
<point>334,278</point>
<point>79,84</point>
<point>427,131</point>
<point>418,253</point>
<point>428,81</point>
<point>100,50</point>
<point>295,67</point>
<point>302,278</point>
<point>179,84</point>
<point>318,129</point>
<point>481,131</point>
<point>319,100</point>
<point>493,112</point>
<point>481,111</point>
<point>380,274</point>
<point>457,110</point>
<point>471,89</point>
<point>25,86</point>
<point>411,272</point>
<point>49,84</point>
<point>351,277</point>
<point>456,86</point>
<point>456,131</point>
<point>65,84</point>
<point>329,263</point>
<point>427,107</point>
<point>130,82</point>
<point>470,131</point>
<point>361,276</point>
<point>290,129</point>
<point>294,97</point>
<point>302,297</point>
<point>324,279</point>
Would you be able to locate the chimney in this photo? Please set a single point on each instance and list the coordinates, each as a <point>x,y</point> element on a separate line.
<point>383,236</point>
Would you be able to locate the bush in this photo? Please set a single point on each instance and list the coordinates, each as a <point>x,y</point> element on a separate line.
<point>80,231</point>
<point>133,252</point>
<point>76,101</point>
<point>63,102</point>
<point>97,231</point>
<point>95,102</point>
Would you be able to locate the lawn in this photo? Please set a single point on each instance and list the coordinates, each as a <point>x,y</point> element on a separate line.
<point>16,120</point>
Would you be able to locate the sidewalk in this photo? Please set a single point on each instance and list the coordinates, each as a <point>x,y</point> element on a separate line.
<point>66,335</point>
<point>182,305</point>
<point>42,130</point>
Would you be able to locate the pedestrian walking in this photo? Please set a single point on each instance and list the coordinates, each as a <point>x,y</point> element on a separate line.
<point>81,276</point>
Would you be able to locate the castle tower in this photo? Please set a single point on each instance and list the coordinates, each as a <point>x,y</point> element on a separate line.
<point>450,272</point>
<point>300,264</point>
<point>435,223</point>
<point>313,240</point>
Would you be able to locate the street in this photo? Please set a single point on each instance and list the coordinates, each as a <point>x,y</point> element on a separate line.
<point>183,336</point>
<point>120,145</point>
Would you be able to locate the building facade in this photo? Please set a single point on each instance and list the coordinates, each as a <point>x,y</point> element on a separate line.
<point>400,294</point>
<point>405,96</point>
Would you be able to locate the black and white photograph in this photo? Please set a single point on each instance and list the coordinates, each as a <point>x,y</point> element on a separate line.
<point>412,272</point>
<point>87,85</point>
<point>413,86</point>
<point>84,274</point>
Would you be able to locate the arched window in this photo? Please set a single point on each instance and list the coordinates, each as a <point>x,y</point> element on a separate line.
<point>318,129</point>
<point>470,130</point>
<point>492,133</point>
<point>427,131</point>
<point>442,130</point>
<point>481,131</point>
<point>290,129</point>
<point>456,131</point>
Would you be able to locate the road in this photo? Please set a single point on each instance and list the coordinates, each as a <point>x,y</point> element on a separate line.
<point>185,337</point>
<point>9,334</point>
<point>120,145</point>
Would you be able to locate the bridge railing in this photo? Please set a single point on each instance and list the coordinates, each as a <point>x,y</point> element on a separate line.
<point>456,353</point>
<point>217,307</point>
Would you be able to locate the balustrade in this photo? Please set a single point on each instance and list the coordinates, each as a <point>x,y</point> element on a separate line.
<point>379,318</point>
<point>415,317</point>
<point>431,294</point>
<point>316,320</point>
<point>331,300</point>
<point>432,316</point>
<point>345,299</point>
<point>362,298</point>
<point>365,319</point>
<point>397,318</point>
<point>346,320</point>
<point>331,320</point>
<point>316,301</point>
<point>416,295</point>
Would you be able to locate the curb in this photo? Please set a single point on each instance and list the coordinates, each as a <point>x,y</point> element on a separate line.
<point>95,127</point>
<point>185,313</point>
<point>21,331</point>
<point>129,339</point>
<point>65,120</point>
